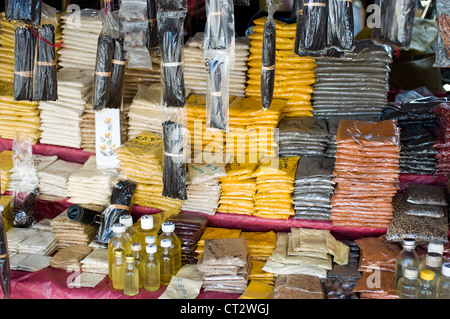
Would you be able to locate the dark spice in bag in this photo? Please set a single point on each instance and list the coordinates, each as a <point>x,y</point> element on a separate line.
<point>28,11</point>
<point>170,27</point>
<point>216,28</point>
<point>174,170</point>
<point>120,202</point>
<point>312,26</point>
<point>45,81</point>
<point>24,53</point>
<point>22,208</point>
<point>217,116</point>
<point>103,68</point>
<point>152,35</point>
<point>117,75</point>
<point>340,24</point>
<point>268,58</point>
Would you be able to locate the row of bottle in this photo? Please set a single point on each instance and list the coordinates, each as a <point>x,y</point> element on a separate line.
<point>140,253</point>
<point>422,279</point>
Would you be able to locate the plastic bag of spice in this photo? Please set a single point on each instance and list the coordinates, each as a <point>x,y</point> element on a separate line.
<point>24,54</point>
<point>340,24</point>
<point>28,11</point>
<point>443,41</point>
<point>311,33</point>
<point>420,194</point>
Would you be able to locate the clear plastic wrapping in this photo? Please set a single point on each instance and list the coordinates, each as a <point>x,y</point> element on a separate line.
<point>443,41</point>
<point>118,66</point>
<point>24,53</point>
<point>312,21</point>
<point>134,14</point>
<point>120,203</point>
<point>268,56</point>
<point>219,28</point>
<point>152,32</point>
<point>340,24</point>
<point>396,22</point>
<point>27,11</point>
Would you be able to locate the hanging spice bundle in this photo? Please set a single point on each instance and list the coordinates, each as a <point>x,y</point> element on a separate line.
<point>24,53</point>
<point>27,11</point>
<point>102,74</point>
<point>170,27</point>
<point>340,24</point>
<point>268,57</point>
<point>117,74</point>
<point>45,85</point>
<point>152,35</point>
<point>312,21</point>
<point>174,170</point>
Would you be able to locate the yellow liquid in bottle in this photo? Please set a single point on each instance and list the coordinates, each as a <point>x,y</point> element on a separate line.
<point>167,265</point>
<point>176,248</point>
<point>131,277</point>
<point>118,268</point>
<point>152,273</point>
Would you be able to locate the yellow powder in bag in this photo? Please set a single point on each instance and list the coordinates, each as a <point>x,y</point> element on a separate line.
<point>257,289</point>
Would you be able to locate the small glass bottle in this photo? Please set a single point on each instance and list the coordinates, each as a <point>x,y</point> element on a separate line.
<point>167,261</point>
<point>152,269</point>
<point>139,261</point>
<point>427,290</point>
<point>118,268</point>
<point>146,229</point>
<point>149,240</point>
<point>443,282</point>
<point>127,221</point>
<point>409,285</point>
<point>406,258</point>
<point>119,240</point>
<point>433,262</point>
<point>435,247</point>
<point>131,276</point>
<point>168,229</point>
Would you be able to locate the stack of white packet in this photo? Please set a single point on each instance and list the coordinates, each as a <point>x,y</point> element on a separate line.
<point>61,119</point>
<point>53,179</point>
<point>96,261</point>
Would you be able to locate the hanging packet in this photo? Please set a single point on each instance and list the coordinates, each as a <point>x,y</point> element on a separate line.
<point>26,11</point>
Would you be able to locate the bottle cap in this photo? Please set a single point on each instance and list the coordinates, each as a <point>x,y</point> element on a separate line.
<point>427,274</point>
<point>168,227</point>
<point>409,243</point>
<point>130,258</point>
<point>166,242</point>
<point>433,260</point>
<point>136,246</point>
<point>147,222</point>
<point>150,239</point>
<point>151,249</point>
<point>127,220</point>
<point>119,253</point>
<point>446,269</point>
<point>411,273</point>
<point>118,228</point>
<point>435,247</point>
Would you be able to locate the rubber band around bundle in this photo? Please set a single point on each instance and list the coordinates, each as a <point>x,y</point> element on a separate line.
<point>102,73</point>
<point>151,20</point>
<point>172,64</point>
<point>217,13</point>
<point>315,4</point>
<point>269,68</point>
<point>173,155</point>
<point>27,74</point>
<point>119,62</point>
<point>45,63</point>
<point>4,256</point>
<point>216,93</point>
<point>118,206</point>
<point>300,11</point>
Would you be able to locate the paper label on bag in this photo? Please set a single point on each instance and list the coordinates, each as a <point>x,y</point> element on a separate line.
<point>107,137</point>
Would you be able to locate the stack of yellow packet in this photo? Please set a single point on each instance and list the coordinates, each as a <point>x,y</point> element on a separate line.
<point>260,244</point>
<point>294,75</point>
<point>257,272</point>
<point>17,116</point>
<point>141,161</point>
<point>238,189</point>
<point>5,201</point>
<point>215,233</point>
<point>275,185</point>
<point>6,164</point>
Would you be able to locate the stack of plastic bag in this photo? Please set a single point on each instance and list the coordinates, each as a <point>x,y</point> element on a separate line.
<point>260,244</point>
<point>141,161</point>
<point>18,116</point>
<point>238,189</point>
<point>189,228</point>
<point>80,33</point>
<point>69,233</point>
<point>225,265</point>
<point>6,164</point>
<point>355,83</point>
<point>302,136</point>
<point>314,188</point>
<point>89,185</point>
<point>53,179</point>
<point>203,188</point>
<point>68,258</point>
<point>306,251</point>
<point>274,187</point>
<point>195,70</point>
<point>443,146</point>
<point>215,233</point>
<point>145,111</point>
<point>294,75</point>
<point>61,119</point>
<point>87,127</point>
<point>7,49</point>
<point>31,241</point>
<point>366,173</point>
<point>96,262</point>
